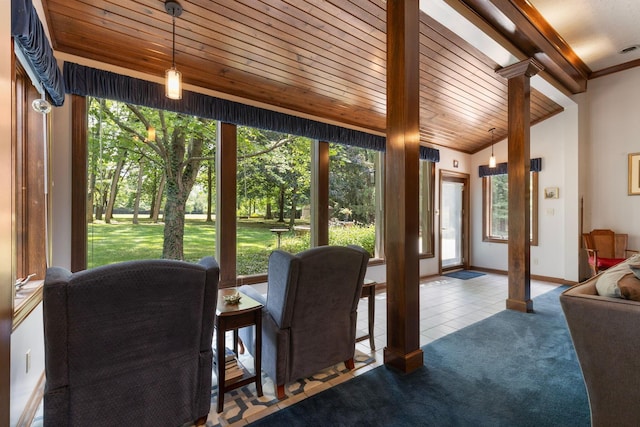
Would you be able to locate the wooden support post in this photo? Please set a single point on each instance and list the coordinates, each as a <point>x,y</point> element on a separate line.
<point>401,186</point>
<point>226,165</point>
<point>320,194</point>
<point>519,164</point>
<point>79,174</point>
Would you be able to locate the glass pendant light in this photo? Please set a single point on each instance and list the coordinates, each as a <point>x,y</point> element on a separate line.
<point>492,159</point>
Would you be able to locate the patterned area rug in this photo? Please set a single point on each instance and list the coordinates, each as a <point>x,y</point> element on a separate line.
<point>244,404</point>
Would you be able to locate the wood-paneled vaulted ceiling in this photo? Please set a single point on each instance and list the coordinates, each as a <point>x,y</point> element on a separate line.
<point>324,59</point>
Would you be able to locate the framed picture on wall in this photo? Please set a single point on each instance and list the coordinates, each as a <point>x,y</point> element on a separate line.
<point>551,193</point>
<point>634,174</point>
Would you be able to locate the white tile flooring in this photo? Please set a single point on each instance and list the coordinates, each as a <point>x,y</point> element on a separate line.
<point>446,305</point>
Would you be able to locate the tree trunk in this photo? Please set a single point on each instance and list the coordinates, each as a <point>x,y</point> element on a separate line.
<point>181,174</point>
<point>281,205</point>
<point>92,189</point>
<point>294,206</point>
<point>154,194</point>
<point>136,204</point>
<point>174,209</point>
<point>100,207</point>
<point>114,188</point>
<point>155,208</point>
<point>268,215</point>
<point>209,191</point>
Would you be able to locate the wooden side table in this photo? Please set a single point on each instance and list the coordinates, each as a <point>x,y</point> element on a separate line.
<point>369,291</point>
<point>230,317</point>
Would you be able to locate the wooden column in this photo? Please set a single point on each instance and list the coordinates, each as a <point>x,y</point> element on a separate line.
<point>79,176</point>
<point>401,186</point>
<point>320,194</point>
<point>226,165</point>
<point>519,164</point>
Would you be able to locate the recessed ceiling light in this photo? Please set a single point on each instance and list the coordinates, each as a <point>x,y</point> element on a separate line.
<point>630,49</point>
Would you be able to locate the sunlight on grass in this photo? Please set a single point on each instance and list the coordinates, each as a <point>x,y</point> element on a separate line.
<point>124,241</point>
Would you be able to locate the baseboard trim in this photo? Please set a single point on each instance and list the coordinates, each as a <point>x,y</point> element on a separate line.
<point>533,276</point>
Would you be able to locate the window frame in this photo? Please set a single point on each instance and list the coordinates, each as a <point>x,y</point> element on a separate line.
<point>486,210</point>
<point>30,147</point>
<point>427,199</point>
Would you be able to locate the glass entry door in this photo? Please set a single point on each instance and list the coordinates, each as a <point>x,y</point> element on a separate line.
<point>453,221</point>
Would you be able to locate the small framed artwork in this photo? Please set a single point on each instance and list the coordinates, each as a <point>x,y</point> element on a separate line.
<point>551,193</point>
<point>634,174</point>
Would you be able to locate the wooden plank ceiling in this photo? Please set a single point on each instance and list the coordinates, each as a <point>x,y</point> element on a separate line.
<point>324,59</point>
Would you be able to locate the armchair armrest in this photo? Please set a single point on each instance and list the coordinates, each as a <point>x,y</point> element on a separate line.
<point>252,292</point>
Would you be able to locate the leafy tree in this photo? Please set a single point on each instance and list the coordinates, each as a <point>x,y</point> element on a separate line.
<point>351,183</point>
<point>177,150</point>
<point>499,205</point>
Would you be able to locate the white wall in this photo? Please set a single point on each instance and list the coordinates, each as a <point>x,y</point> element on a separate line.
<point>612,131</point>
<point>555,140</point>
<point>28,337</point>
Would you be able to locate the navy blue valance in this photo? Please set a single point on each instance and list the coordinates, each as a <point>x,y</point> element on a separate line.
<point>428,153</point>
<point>87,81</point>
<point>501,168</point>
<point>29,36</point>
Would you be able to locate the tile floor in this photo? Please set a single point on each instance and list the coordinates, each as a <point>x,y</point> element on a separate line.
<point>446,305</point>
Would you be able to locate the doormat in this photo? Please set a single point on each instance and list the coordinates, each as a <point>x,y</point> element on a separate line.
<point>464,274</point>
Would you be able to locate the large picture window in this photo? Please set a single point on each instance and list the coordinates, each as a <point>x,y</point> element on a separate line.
<point>149,176</point>
<point>352,196</point>
<point>273,196</point>
<point>495,190</point>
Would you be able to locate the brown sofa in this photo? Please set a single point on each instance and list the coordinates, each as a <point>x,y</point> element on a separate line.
<point>606,335</point>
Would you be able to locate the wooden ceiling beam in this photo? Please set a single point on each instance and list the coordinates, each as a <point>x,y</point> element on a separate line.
<point>520,23</point>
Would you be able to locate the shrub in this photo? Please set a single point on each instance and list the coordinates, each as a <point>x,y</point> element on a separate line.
<point>362,235</point>
<point>295,244</point>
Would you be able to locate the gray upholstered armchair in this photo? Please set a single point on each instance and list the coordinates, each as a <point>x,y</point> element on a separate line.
<point>129,343</point>
<point>309,320</point>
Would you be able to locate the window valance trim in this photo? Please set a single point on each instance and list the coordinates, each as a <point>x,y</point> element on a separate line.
<point>29,36</point>
<point>431,154</point>
<point>501,168</point>
<point>87,81</point>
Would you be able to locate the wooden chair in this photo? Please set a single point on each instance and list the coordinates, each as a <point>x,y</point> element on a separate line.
<point>605,248</point>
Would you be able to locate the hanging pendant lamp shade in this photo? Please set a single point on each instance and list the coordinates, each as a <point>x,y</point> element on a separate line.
<point>173,77</point>
<point>492,159</point>
<point>173,84</point>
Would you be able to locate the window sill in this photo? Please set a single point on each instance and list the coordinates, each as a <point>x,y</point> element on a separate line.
<point>25,301</point>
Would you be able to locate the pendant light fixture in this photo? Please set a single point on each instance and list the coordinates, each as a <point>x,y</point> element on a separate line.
<point>492,159</point>
<point>173,77</point>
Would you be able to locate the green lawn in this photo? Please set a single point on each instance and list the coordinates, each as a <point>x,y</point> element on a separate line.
<point>122,241</point>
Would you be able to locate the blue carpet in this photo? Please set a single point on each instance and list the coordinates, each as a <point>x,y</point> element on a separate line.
<point>512,369</point>
<point>464,274</point>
